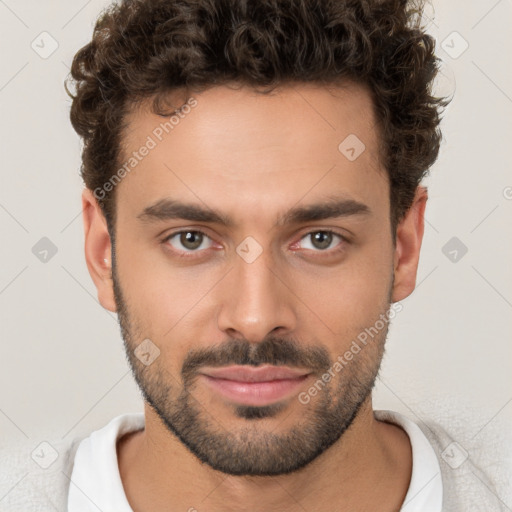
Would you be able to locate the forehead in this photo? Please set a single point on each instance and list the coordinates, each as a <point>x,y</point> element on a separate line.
<point>302,112</point>
<point>236,146</point>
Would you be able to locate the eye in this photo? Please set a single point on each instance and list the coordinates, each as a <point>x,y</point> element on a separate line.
<point>193,241</point>
<point>321,240</point>
<point>189,241</point>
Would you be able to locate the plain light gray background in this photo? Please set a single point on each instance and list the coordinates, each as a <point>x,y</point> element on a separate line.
<point>449,352</point>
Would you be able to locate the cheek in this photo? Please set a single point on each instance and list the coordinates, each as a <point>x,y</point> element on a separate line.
<point>150,296</point>
<point>347,298</point>
<point>164,298</point>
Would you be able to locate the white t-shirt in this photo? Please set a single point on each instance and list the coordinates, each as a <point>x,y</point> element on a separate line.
<point>96,483</point>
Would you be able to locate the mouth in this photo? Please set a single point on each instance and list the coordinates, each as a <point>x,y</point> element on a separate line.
<point>256,386</point>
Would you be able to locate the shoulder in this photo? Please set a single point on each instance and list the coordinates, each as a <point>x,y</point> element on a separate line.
<point>466,487</point>
<point>36,477</point>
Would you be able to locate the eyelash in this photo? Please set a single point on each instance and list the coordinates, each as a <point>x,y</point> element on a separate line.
<point>196,253</point>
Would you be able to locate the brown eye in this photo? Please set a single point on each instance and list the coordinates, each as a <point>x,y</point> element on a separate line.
<point>189,241</point>
<point>320,240</point>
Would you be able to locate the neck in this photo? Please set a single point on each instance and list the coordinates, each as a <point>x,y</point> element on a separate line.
<point>368,468</point>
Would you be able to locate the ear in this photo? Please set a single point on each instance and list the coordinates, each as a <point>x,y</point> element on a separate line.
<point>409,236</point>
<point>98,249</point>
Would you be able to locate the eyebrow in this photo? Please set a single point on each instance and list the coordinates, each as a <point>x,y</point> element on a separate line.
<point>333,207</point>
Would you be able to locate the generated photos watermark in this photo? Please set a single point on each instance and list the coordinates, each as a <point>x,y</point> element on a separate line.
<point>368,334</point>
<point>137,156</point>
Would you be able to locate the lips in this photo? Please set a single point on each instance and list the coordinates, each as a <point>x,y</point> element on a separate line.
<point>256,386</point>
<point>255,374</point>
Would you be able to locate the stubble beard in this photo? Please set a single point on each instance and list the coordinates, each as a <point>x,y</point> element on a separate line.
<point>250,449</point>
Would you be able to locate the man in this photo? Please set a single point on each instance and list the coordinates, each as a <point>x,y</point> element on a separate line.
<point>253,213</point>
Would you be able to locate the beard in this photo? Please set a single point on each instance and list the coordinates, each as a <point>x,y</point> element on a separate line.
<point>253,450</point>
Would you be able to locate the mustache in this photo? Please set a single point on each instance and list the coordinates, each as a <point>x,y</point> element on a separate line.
<point>271,350</point>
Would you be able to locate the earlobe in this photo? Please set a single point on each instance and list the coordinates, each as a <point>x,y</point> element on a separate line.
<point>409,236</point>
<point>97,246</point>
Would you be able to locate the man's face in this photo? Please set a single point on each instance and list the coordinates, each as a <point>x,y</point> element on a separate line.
<point>267,289</point>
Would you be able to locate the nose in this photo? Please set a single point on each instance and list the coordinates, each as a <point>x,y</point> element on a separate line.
<point>256,301</point>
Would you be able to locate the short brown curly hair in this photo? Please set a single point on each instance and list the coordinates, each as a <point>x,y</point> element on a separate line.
<point>144,49</point>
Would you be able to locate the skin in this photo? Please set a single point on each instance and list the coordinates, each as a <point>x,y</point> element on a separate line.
<point>255,157</point>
